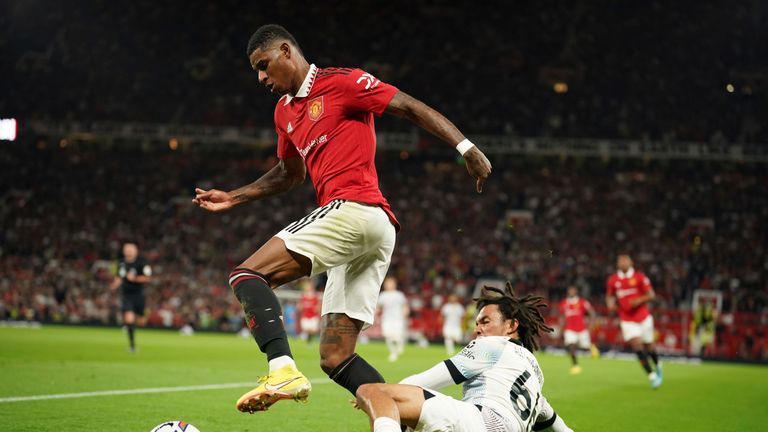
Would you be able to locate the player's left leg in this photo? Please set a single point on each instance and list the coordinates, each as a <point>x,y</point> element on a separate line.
<point>648,336</point>
<point>129,319</point>
<point>390,405</point>
<point>252,282</point>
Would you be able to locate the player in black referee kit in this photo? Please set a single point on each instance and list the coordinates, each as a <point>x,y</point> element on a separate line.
<point>132,273</point>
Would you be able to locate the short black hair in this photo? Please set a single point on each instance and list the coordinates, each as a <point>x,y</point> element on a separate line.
<point>267,34</point>
<point>526,310</point>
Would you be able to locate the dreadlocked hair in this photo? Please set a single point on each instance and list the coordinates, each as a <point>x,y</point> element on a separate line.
<point>526,310</point>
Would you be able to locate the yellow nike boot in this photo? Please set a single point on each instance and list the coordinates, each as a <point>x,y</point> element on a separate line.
<point>284,383</point>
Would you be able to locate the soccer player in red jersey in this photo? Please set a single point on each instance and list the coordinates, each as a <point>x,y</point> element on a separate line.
<point>629,291</point>
<point>573,310</point>
<point>309,310</point>
<point>324,125</point>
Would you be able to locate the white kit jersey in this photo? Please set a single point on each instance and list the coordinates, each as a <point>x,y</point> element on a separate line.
<point>500,374</point>
<point>393,304</point>
<point>452,314</point>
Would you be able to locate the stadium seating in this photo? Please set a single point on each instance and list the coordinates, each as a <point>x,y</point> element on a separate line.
<point>689,226</point>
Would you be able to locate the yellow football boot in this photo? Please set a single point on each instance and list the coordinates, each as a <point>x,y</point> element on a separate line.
<point>284,383</point>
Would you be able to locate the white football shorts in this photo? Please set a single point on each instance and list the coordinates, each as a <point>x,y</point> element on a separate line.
<point>580,339</point>
<point>441,413</point>
<point>643,330</point>
<point>393,329</point>
<point>452,332</point>
<point>351,241</point>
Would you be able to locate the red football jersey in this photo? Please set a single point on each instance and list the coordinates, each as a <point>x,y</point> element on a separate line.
<point>329,123</point>
<point>309,306</point>
<point>626,287</point>
<point>575,309</point>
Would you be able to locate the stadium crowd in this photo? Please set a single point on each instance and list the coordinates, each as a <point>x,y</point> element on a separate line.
<point>656,70</point>
<point>679,71</point>
<point>542,223</point>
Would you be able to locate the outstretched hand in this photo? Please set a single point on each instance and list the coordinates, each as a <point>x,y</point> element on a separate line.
<point>213,200</point>
<point>478,166</point>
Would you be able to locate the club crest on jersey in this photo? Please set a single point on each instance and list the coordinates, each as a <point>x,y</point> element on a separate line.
<point>315,108</point>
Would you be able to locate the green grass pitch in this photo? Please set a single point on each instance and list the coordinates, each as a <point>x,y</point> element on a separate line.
<point>610,395</point>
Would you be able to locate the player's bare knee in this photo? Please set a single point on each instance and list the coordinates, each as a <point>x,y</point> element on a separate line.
<point>367,391</point>
<point>364,391</point>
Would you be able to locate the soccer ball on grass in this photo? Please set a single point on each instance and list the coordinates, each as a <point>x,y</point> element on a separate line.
<point>175,426</point>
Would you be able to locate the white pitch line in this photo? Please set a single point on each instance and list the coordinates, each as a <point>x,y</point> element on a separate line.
<point>139,391</point>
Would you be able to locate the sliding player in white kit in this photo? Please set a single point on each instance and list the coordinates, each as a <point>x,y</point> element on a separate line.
<point>394,310</point>
<point>501,379</point>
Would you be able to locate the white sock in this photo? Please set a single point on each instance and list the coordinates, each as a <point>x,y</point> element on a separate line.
<point>559,426</point>
<point>281,362</point>
<point>386,424</point>
<point>652,376</point>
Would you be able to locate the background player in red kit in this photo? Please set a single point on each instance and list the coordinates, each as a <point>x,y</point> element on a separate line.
<point>309,310</point>
<point>573,310</point>
<point>630,291</point>
<point>324,124</point>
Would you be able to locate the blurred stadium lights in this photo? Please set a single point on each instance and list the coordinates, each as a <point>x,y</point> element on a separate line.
<point>8,129</point>
<point>729,88</point>
<point>560,87</point>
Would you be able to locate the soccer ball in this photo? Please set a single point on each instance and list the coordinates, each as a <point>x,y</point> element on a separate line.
<point>175,426</point>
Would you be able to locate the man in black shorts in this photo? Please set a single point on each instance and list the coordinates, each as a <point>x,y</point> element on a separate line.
<point>132,273</point>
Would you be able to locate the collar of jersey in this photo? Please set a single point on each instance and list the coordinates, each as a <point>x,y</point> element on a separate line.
<point>515,341</point>
<point>628,274</point>
<point>306,86</point>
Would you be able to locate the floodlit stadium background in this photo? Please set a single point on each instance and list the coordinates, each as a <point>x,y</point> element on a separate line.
<point>637,127</point>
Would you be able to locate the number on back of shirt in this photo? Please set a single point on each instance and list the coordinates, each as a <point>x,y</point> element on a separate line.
<point>521,400</point>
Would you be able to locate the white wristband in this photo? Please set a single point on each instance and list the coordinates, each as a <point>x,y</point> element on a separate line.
<point>464,146</point>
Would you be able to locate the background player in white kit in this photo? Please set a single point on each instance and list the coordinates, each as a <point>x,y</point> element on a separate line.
<point>501,379</point>
<point>452,314</point>
<point>393,307</point>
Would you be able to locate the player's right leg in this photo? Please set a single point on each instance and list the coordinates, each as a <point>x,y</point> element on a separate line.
<point>367,238</point>
<point>271,266</point>
<point>390,405</point>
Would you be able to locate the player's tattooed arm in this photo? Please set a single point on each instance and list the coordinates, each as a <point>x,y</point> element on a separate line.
<point>287,174</point>
<point>405,106</point>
